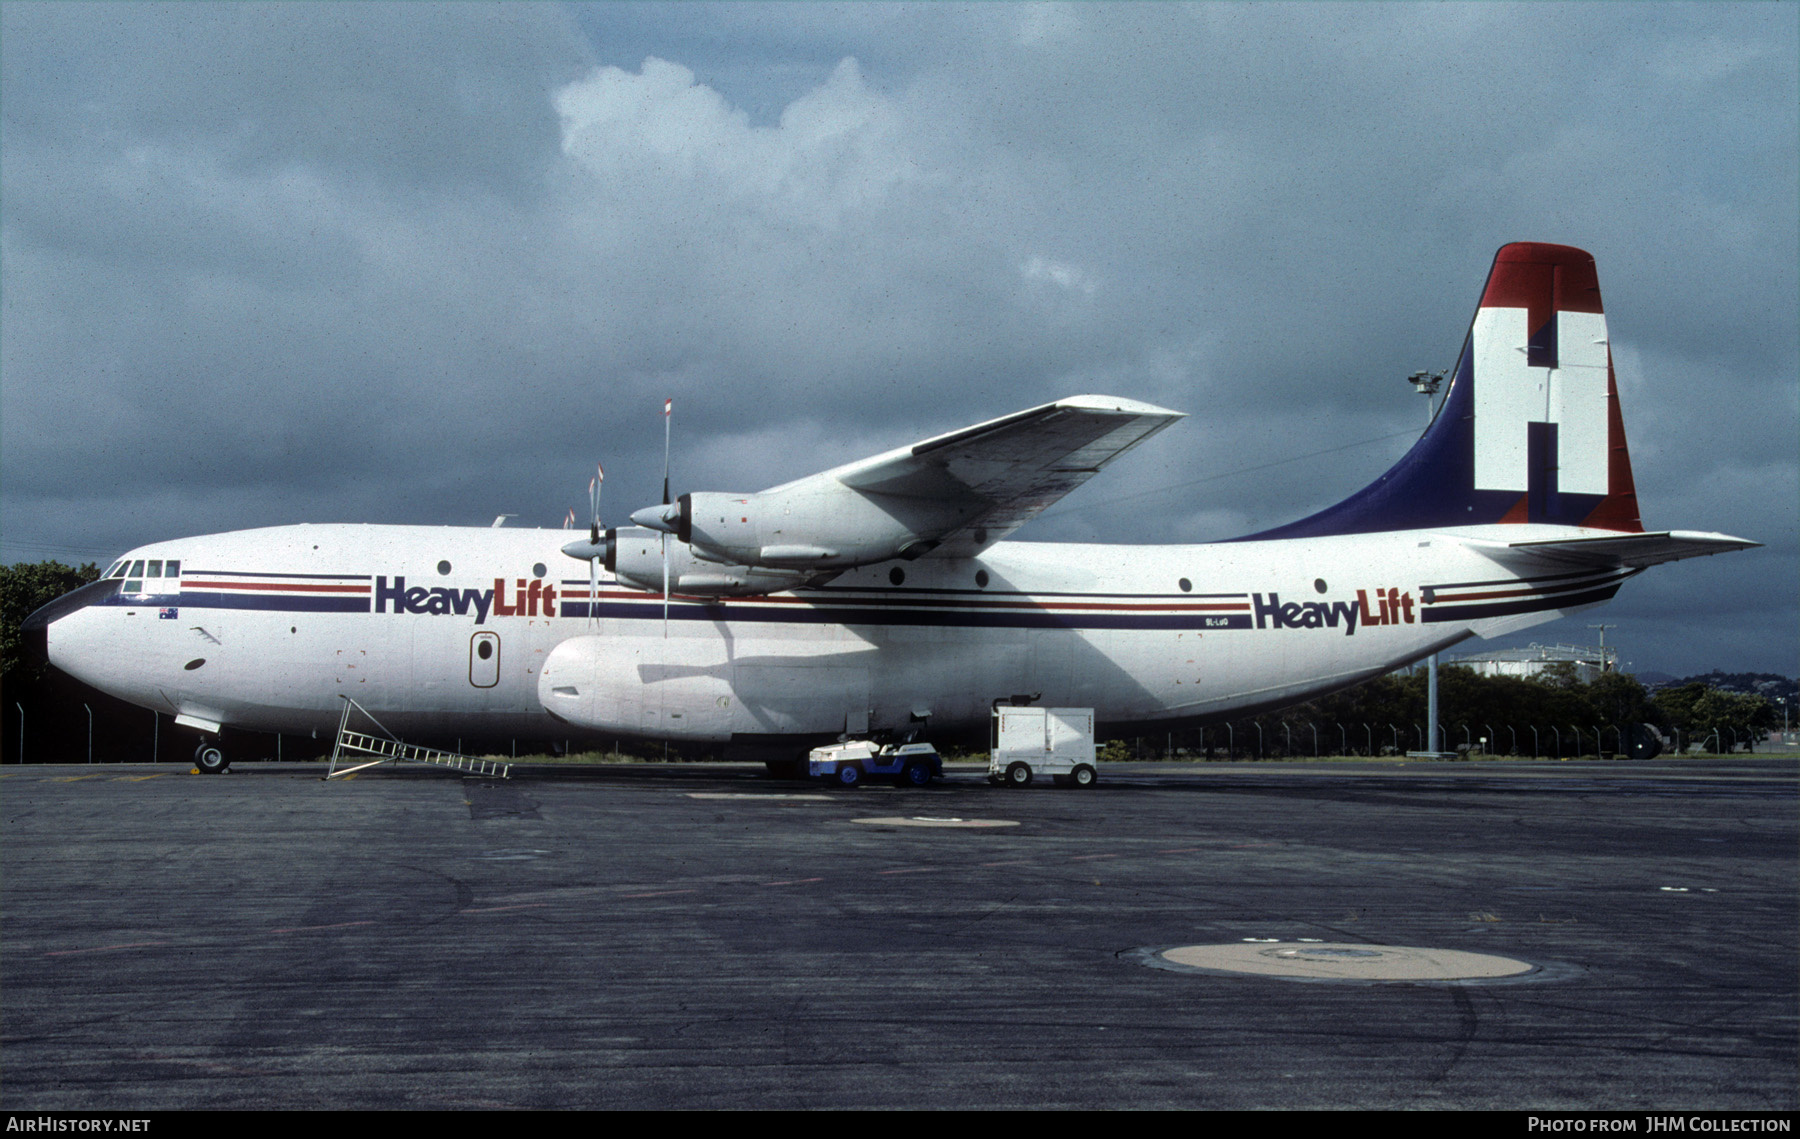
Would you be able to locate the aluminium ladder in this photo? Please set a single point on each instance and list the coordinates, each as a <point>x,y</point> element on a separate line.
<point>351,745</point>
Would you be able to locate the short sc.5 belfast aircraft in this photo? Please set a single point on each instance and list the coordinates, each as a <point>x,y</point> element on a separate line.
<point>882,596</point>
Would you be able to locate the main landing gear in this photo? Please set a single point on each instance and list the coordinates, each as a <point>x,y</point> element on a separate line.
<point>210,758</point>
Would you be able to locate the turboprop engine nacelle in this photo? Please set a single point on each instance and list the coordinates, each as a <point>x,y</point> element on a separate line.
<point>833,527</point>
<point>635,556</point>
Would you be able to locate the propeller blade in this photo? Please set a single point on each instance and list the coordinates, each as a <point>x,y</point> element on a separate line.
<point>594,487</point>
<point>668,407</point>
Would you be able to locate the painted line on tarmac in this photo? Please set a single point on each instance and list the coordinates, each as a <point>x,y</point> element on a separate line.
<point>106,948</point>
<point>945,822</point>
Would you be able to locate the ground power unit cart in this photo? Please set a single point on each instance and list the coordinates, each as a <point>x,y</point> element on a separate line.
<point>1032,742</point>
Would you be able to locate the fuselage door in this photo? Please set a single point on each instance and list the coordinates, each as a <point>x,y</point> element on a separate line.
<point>484,659</point>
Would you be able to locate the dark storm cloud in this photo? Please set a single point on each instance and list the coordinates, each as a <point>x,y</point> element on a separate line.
<point>412,94</point>
<point>395,263</point>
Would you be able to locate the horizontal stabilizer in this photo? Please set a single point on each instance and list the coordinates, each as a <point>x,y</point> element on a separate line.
<point>1637,550</point>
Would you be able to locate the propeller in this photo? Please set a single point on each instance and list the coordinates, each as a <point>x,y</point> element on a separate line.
<point>594,540</point>
<point>668,406</point>
<point>592,551</point>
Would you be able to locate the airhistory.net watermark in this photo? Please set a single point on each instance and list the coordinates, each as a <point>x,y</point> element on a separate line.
<point>52,1124</point>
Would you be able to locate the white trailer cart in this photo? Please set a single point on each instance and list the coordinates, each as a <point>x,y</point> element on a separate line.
<point>1028,742</point>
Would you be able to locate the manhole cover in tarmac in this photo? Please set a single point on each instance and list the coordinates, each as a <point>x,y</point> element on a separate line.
<point>937,821</point>
<point>1319,961</point>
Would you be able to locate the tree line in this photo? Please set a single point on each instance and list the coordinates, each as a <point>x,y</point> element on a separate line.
<point>1554,713</point>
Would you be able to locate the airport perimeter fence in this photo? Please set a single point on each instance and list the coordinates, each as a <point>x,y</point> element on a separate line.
<point>61,726</point>
<point>1253,741</point>
<point>46,724</point>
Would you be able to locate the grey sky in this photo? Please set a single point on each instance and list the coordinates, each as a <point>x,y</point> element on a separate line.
<point>400,263</point>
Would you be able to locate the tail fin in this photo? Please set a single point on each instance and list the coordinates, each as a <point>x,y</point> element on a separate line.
<point>1530,429</point>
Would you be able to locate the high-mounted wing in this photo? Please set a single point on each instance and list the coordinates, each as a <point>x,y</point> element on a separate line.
<point>1014,467</point>
<point>953,495</point>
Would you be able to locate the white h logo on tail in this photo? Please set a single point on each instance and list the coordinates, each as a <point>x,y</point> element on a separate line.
<point>1510,393</point>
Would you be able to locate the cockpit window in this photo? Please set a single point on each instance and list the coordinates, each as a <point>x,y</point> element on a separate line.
<point>152,576</point>
<point>118,569</point>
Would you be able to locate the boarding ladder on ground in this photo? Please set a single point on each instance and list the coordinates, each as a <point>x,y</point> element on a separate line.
<point>388,748</point>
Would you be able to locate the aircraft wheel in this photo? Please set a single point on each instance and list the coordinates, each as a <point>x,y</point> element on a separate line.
<point>210,759</point>
<point>1018,775</point>
<point>849,775</point>
<point>916,774</point>
<point>1082,776</point>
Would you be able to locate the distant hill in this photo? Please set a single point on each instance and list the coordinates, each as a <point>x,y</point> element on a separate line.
<point>1771,686</point>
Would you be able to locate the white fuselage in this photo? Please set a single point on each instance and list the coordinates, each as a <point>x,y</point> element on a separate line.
<point>486,632</point>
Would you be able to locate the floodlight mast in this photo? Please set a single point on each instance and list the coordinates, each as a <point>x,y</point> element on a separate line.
<point>1604,665</point>
<point>1427,385</point>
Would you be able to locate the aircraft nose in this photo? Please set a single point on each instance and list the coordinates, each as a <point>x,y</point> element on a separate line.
<point>35,632</point>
